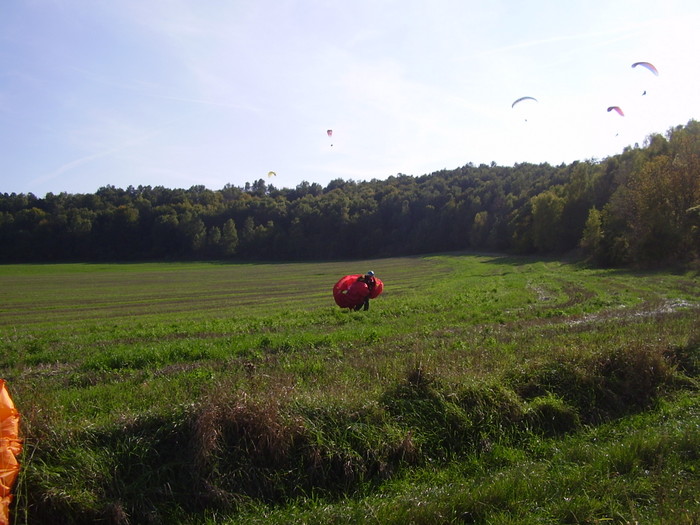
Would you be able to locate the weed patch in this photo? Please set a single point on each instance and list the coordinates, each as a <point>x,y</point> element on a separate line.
<point>551,416</point>
<point>603,385</point>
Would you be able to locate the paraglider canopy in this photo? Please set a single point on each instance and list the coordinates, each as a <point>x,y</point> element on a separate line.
<point>271,174</point>
<point>348,292</point>
<point>617,109</point>
<point>647,65</point>
<point>523,112</point>
<point>517,101</point>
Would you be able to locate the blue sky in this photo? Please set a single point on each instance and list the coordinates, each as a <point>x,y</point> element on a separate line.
<point>185,92</point>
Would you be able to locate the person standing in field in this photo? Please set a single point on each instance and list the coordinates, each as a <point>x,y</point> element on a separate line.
<point>371,282</point>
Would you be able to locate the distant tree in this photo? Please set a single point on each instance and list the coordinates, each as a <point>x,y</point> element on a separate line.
<point>547,210</point>
<point>193,234</point>
<point>165,234</point>
<point>479,229</point>
<point>214,241</point>
<point>592,236</point>
<point>646,219</point>
<point>661,195</point>
<point>229,238</point>
<point>259,188</point>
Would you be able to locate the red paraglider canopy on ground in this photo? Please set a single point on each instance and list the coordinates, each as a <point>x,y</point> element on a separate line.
<point>348,292</point>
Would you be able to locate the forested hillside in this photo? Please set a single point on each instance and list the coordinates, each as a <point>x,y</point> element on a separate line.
<point>639,207</point>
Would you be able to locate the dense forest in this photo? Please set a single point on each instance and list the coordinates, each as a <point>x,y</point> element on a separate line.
<point>640,207</point>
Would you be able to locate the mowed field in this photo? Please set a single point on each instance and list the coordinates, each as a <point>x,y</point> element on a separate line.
<point>240,393</point>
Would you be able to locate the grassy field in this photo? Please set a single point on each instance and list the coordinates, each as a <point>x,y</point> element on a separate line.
<point>476,389</point>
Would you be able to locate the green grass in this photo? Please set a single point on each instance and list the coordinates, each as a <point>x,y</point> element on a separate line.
<point>479,389</point>
<point>641,469</point>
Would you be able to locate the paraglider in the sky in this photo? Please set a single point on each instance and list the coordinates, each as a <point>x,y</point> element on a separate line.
<point>617,109</point>
<point>353,291</point>
<point>271,174</point>
<point>647,65</point>
<point>330,134</point>
<point>10,448</point>
<point>522,99</point>
<point>517,101</point>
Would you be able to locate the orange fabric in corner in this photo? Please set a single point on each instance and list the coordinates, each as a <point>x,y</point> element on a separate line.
<point>10,448</point>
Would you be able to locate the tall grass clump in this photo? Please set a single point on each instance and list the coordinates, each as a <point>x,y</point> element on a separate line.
<point>446,421</point>
<point>243,448</point>
<point>640,469</point>
<point>687,356</point>
<point>551,416</point>
<point>601,385</point>
<point>137,469</point>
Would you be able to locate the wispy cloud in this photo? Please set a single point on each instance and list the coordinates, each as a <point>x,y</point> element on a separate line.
<point>136,140</point>
<point>159,91</point>
<point>591,36</point>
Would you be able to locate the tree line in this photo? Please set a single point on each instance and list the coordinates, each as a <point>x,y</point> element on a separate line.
<point>640,207</point>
